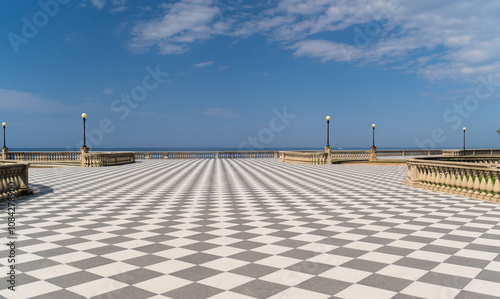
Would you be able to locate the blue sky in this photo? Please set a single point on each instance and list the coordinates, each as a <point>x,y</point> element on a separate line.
<point>248,74</point>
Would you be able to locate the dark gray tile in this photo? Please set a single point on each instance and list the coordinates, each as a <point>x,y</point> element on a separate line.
<point>310,267</point>
<point>472,295</point>
<point>254,270</point>
<point>489,275</point>
<point>91,262</point>
<point>61,294</point>
<point>416,263</point>
<point>466,261</point>
<point>153,248</point>
<point>299,254</point>
<point>54,251</point>
<point>136,276</point>
<point>446,280</point>
<point>35,265</point>
<point>386,282</point>
<point>73,279</point>
<point>198,258</point>
<point>193,291</point>
<point>350,252</point>
<point>129,292</point>
<point>200,246</point>
<point>259,289</point>
<point>364,265</point>
<point>196,273</point>
<point>247,245</point>
<point>104,250</point>
<point>249,256</point>
<point>145,260</point>
<point>324,285</point>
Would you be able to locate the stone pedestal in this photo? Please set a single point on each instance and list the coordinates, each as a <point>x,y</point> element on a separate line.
<point>4,153</point>
<point>373,154</point>
<point>84,150</point>
<point>328,151</point>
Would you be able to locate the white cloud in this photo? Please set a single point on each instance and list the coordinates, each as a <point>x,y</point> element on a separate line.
<point>203,64</point>
<point>99,4</point>
<point>222,68</point>
<point>220,112</point>
<point>183,23</point>
<point>444,39</point>
<point>108,91</point>
<point>13,100</point>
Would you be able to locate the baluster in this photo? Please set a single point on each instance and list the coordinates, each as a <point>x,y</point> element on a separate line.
<point>496,187</point>
<point>477,184</point>
<point>470,182</point>
<point>458,182</point>
<point>453,180</point>
<point>483,185</point>
<point>489,186</point>
<point>447,180</point>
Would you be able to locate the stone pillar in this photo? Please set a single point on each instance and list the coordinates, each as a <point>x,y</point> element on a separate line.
<point>83,150</point>
<point>373,154</point>
<point>4,153</point>
<point>328,151</point>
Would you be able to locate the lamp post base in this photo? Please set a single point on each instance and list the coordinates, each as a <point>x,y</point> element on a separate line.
<point>4,153</point>
<point>373,154</point>
<point>328,151</point>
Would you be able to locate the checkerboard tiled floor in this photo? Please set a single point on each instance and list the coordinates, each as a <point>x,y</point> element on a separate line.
<point>249,229</point>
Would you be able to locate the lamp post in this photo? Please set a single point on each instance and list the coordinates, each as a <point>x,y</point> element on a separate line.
<point>373,126</point>
<point>373,154</point>
<point>4,125</point>
<point>328,131</point>
<point>464,139</point>
<point>4,148</point>
<point>84,116</point>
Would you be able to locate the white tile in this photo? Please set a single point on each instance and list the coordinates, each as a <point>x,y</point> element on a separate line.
<point>402,272</point>
<point>380,257</point>
<point>162,284</point>
<point>483,287</point>
<point>224,250</point>
<point>29,290</point>
<point>226,281</point>
<point>97,287</point>
<point>112,269</point>
<point>230,295</point>
<point>429,256</point>
<point>286,277</point>
<point>71,257</point>
<point>54,271</point>
<point>361,291</point>
<point>457,270</point>
<point>296,293</point>
<point>174,253</point>
<point>277,261</point>
<point>170,266</point>
<point>426,290</point>
<point>345,274</point>
<point>123,255</point>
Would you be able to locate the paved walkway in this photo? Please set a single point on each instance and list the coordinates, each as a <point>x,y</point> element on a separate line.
<point>249,229</point>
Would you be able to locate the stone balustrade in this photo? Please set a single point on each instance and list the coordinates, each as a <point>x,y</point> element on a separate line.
<point>351,155</point>
<point>207,155</point>
<point>45,156</point>
<point>471,152</point>
<point>13,179</point>
<point>305,157</point>
<point>475,177</point>
<point>106,159</point>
